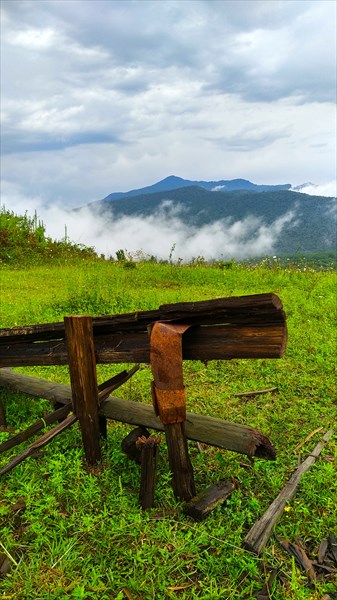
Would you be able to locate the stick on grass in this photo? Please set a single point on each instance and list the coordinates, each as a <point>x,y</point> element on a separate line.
<point>261,531</point>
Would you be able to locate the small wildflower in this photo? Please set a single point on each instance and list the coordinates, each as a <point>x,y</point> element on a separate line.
<point>287,508</point>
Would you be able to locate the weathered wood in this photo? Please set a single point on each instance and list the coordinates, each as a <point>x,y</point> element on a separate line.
<point>252,309</point>
<point>2,415</point>
<point>300,556</point>
<point>104,389</point>
<point>203,503</point>
<point>179,461</point>
<point>42,441</point>
<point>209,430</point>
<point>261,531</point>
<point>59,414</point>
<point>129,443</point>
<point>149,453</point>
<point>82,368</point>
<point>208,342</point>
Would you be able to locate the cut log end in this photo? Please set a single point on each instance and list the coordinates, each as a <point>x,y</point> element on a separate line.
<point>261,446</point>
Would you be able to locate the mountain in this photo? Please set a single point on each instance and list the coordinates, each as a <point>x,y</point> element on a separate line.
<point>173,183</point>
<point>304,223</point>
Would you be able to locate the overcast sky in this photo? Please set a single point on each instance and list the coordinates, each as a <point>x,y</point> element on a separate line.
<point>105,96</point>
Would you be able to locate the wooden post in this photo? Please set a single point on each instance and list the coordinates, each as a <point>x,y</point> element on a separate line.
<point>169,400</point>
<point>149,452</point>
<point>82,367</point>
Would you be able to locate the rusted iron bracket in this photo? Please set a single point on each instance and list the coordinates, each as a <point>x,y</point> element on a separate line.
<point>169,400</point>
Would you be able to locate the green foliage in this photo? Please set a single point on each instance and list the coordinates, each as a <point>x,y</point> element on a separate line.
<point>23,241</point>
<point>82,534</point>
<point>312,228</point>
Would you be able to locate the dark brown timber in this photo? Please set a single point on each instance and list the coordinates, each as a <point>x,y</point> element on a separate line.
<point>209,430</point>
<point>206,342</point>
<point>82,368</point>
<point>2,415</point>
<point>129,443</point>
<point>261,531</point>
<point>252,309</point>
<point>201,505</point>
<point>149,453</point>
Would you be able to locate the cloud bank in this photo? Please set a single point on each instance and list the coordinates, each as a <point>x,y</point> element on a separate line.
<point>157,234</point>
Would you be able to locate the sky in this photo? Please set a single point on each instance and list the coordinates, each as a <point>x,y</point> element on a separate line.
<point>100,96</point>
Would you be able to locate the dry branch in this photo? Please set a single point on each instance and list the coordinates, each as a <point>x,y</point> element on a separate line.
<point>261,531</point>
<point>256,392</point>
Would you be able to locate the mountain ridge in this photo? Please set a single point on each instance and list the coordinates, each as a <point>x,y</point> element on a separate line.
<point>172,182</point>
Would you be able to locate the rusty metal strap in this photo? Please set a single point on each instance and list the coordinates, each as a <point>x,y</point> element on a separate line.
<point>169,405</point>
<point>168,391</point>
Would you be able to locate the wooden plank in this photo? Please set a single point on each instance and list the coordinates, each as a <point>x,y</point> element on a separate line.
<point>201,505</point>
<point>200,343</point>
<point>209,430</point>
<point>82,368</point>
<point>261,531</point>
<point>252,309</point>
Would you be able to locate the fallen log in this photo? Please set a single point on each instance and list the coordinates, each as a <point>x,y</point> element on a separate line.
<point>261,531</point>
<point>209,430</point>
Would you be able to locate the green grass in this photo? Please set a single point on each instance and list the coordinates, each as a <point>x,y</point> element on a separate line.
<point>83,535</point>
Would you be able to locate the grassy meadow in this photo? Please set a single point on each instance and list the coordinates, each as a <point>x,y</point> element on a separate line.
<point>81,534</point>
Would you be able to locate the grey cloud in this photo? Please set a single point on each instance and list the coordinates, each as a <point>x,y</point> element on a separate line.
<point>14,143</point>
<point>222,42</point>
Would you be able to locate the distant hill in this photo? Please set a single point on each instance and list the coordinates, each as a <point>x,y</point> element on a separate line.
<point>173,183</point>
<point>310,227</point>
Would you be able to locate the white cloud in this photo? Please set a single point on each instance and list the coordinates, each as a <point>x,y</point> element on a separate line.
<point>327,189</point>
<point>155,234</point>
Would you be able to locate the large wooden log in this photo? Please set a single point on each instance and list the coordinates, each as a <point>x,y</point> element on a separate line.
<point>199,343</point>
<point>239,310</point>
<point>209,430</point>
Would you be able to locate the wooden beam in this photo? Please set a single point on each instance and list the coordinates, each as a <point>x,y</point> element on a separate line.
<point>209,430</point>
<point>209,342</point>
<point>252,309</point>
<point>82,368</point>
